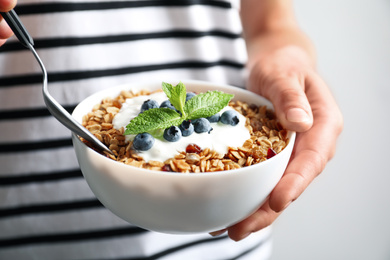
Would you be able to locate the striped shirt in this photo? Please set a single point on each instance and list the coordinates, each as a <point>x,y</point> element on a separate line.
<point>47,210</point>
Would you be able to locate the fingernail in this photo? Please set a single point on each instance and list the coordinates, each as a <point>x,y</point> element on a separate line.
<point>244,236</point>
<point>217,233</point>
<point>297,115</point>
<point>287,204</point>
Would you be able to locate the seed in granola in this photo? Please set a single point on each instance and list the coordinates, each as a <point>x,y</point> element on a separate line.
<point>112,110</point>
<point>95,128</point>
<point>182,166</point>
<point>242,161</point>
<point>257,153</point>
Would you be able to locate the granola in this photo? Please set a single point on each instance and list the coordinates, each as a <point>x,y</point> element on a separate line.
<point>267,136</point>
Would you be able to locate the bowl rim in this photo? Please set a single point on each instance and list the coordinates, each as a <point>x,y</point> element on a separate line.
<point>291,134</point>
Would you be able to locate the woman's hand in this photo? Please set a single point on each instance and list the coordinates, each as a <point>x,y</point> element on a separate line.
<point>303,103</point>
<point>5,31</point>
<point>282,69</point>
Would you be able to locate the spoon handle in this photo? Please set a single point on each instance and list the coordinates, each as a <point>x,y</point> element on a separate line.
<point>17,27</point>
<point>53,106</point>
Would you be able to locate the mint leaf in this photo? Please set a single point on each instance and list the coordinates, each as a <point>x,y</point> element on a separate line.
<point>152,119</point>
<point>156,119</point>
<point>176,95</point>
<point>206,104</point>
<point>167,88</point>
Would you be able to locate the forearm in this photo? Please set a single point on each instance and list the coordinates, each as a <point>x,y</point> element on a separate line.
<point>270,25</point>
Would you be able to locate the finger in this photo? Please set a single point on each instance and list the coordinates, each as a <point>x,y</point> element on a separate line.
<point>291,104</point>
<point>313,149</point>
<point>303,168</point>
<point>5,31</point>
<point>7,5</point>
<point>262,218</point>
<point>287,94</point>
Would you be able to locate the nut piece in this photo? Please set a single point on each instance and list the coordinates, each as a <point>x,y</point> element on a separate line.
<point>192,158</point>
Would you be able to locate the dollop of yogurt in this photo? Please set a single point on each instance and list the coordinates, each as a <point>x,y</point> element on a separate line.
<point>219,139</point>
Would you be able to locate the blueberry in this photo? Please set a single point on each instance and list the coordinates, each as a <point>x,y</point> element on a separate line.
<point>214,118</point>
<point>143,142</point>
<point>202,125</point>
<point>230,117</point>
<point>167,104</point>
<point>193,121</point>
<point>172,134</point>
<point>190,95</point>
<point>149,104</point>
<point>186,128</point>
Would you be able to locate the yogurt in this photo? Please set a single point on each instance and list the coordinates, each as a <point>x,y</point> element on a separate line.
<point>219,139</point>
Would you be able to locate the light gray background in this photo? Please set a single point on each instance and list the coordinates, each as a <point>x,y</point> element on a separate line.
<point>345,212</point>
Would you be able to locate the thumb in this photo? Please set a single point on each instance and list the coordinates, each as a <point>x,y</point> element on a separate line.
<point>290,103</point>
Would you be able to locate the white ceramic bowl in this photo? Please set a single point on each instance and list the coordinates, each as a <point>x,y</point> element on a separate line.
<point>173,202</point>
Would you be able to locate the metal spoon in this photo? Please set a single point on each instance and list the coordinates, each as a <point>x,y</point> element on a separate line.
<point>52,105</point>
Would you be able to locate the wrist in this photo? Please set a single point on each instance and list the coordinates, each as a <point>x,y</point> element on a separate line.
<point>292,41</point>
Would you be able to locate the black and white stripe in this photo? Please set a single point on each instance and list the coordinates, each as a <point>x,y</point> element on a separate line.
<point>47,211</point>
<point>59,7</point>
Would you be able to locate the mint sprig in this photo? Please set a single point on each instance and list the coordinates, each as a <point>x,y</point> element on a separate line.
<point>201,105</point>
<point>176,95</point>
